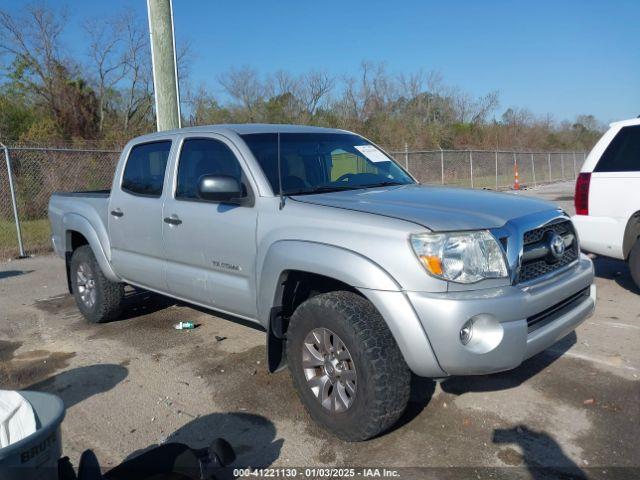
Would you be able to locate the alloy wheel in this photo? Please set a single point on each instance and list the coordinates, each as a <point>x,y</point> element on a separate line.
<point>86,284</point>
<point>329,370</point>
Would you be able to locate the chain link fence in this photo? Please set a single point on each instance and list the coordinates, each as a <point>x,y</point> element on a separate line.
<point>38,172</point>
<point>490,169</point>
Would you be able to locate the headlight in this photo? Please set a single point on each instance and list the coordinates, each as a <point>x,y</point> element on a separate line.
<point>463,257</point>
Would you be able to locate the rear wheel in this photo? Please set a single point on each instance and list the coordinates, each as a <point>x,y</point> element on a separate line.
<point>634,263</point>
<point>98,299</point>
<point>346,365</point>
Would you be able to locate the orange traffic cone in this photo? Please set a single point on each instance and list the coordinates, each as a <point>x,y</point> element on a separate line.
<point>516,181</point>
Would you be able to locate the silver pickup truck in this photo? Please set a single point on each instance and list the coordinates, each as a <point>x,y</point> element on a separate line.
<point>358,274</point>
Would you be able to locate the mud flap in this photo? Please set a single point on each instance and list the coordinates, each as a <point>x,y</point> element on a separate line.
<point>67,265</point>
<point>276,342</point>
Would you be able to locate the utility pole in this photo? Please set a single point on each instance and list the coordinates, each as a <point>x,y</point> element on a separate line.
<point>165,67</point>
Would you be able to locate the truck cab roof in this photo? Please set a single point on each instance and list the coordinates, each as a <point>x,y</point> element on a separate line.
<point>240,129</point>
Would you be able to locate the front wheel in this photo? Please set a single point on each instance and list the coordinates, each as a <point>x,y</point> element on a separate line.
<point>346,365</point>
<point>98,299</point>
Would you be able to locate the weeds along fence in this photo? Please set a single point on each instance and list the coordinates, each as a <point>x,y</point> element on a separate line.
<point>30,175</point>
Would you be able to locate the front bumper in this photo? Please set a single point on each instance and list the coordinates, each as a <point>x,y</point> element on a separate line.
<point>503,339</point>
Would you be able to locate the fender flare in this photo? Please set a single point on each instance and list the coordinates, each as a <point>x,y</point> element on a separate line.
<point>80,224</point>
<point>359,272</point>
<point>314,257</point>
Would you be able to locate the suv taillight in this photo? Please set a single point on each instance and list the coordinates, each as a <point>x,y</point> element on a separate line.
<point>581,198</point>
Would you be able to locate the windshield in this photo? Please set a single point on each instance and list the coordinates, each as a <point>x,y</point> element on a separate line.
<point>321,162</point>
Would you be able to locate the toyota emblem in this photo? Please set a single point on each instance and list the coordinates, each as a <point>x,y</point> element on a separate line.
<point>556,246</point>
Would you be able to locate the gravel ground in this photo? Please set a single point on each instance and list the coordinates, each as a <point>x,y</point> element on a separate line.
<point>137,382</point>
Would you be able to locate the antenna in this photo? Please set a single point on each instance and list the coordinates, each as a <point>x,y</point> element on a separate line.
<point>280,176</point>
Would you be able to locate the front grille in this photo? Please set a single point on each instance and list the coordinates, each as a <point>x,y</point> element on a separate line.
<point>550,314</point>
<point>535,235</point>
<point>535,269</point>
<point>539,238</point>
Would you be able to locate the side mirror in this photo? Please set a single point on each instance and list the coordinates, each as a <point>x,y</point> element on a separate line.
<point>219,188</point>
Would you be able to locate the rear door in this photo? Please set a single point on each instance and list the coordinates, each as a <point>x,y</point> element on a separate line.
<point>210,247</point>
<point>135,215</point>
<point>615,182</point>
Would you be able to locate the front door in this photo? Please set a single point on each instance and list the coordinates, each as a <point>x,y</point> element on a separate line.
<point>210,247</point>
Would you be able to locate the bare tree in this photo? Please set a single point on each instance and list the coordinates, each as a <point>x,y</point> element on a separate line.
<point>463,105</point>
<point>184,57</point>
<point>357,93</point>
<point>282,82</point>
<point>108,57</point>
<point>412,84</point>
<point>483,106</point>
<point>137,81</point>
<point>138,100</point>
<point>589,122</point>
<point>315,87</point>
<point>473,110</point>
<point>517,117</point>
<point>33,44</point>
<point>38,68</point>
<point>245,87</point>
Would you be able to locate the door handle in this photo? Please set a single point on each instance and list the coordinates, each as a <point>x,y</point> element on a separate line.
<point>172,220</point>
<point>117,213</point>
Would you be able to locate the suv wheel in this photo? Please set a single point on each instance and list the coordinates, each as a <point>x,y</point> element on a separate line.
<point>634,263</point>
<point>346,365</point>
<point>98,299</point>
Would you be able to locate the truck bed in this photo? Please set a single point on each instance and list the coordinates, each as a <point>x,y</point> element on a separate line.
<point>90,206</point>
<point>85,193</point>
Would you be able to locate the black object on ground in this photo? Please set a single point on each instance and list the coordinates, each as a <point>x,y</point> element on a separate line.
<point>175,461</point>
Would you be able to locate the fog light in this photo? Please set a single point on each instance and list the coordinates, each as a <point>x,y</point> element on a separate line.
<point>481,333</point>
<point>466,332</point>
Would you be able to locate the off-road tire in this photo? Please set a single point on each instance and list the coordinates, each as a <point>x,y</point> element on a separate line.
<point>383,378</point>
<point>634,263</point>
<point>108,294</point>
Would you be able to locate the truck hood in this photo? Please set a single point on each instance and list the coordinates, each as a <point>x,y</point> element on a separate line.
<point>436,208</point>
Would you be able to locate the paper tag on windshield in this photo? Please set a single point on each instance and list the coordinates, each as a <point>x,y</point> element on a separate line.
<point>372,153</point>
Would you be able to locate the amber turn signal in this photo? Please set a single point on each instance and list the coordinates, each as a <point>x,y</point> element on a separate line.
<point>433,264</point>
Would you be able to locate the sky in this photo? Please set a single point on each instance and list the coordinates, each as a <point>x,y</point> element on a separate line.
<point>562,58</point>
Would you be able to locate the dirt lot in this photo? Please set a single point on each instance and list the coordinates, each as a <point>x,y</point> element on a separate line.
<point>138,382</point>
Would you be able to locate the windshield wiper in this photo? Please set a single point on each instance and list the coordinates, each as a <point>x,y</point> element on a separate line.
<point>323,189</point>
<point>389,183</point>
<point>336,188</point>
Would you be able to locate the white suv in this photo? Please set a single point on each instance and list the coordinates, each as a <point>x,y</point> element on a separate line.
<point>607,197</point>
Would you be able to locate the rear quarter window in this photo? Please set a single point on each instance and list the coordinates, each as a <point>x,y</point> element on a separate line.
<point>145,169</point>
<point>623,153</point>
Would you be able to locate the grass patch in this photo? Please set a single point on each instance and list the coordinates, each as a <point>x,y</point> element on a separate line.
<point>36,236</point>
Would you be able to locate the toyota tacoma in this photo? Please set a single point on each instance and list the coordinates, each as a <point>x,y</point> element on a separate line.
<point>359,275</point>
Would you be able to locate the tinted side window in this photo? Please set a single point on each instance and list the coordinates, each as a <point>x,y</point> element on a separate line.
<point>623,153</point>
<point>146,165</point>
<point>203,156</point>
